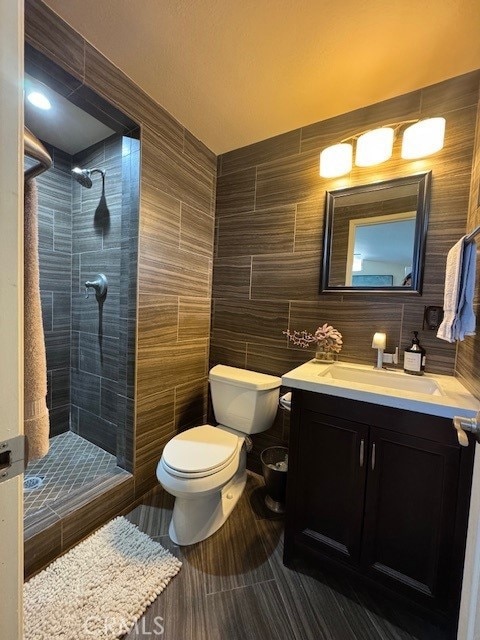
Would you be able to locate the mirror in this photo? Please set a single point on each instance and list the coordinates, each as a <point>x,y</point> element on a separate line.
<point>375,236</point>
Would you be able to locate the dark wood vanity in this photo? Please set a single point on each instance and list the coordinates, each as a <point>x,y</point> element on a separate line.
<point>381,493</point>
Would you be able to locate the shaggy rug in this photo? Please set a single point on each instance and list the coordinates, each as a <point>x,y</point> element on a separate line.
<point>100,588</point>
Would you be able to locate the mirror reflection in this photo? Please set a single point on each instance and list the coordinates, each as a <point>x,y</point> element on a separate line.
<point>375,236</point>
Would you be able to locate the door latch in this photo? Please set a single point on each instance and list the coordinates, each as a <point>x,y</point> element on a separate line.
<point>13,457</point>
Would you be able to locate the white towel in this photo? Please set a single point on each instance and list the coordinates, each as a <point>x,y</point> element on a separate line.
<point>459,319</point>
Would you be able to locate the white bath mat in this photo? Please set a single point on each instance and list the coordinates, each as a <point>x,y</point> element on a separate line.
<point>100,588</point>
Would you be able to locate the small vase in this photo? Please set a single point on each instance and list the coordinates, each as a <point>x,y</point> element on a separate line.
<point>327,357</point>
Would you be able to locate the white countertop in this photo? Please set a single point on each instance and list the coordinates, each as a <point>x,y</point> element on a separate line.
<point>452,400</point>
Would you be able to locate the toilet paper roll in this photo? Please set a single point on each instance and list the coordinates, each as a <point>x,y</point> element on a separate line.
<point>286,401</point>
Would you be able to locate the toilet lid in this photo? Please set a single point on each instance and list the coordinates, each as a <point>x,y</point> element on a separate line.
<point>200,450</point>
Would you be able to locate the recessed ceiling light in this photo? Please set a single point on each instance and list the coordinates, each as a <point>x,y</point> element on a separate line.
<point>39,100</point>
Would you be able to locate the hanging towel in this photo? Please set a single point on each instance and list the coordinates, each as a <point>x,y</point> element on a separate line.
<point>466,316</point>
<point>36,420</point>
<point>459,318</point>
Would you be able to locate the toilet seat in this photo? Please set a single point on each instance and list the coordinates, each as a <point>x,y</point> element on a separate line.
<point>200,452</point>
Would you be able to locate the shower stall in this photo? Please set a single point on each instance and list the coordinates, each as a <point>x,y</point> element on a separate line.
<point>88,201</point>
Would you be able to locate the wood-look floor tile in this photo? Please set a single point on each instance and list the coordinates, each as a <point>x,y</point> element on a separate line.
<point>181,608</point>
<point>234,556</point>
<point>154,514</point>
<point>255,612</point>
<point>326,606</point>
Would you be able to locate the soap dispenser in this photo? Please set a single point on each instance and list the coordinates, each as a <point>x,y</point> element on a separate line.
<point>414,357</point>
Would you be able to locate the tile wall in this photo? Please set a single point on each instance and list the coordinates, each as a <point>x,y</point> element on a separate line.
<point>100,219</point>
<point>269,228</point>
<point>55,257</point>
<point>82,232</point>
<point>175,250</point>
<point>468,361</point>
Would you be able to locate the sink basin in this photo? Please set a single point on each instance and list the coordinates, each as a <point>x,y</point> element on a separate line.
<point>432,394</point>
<point>385,379</point>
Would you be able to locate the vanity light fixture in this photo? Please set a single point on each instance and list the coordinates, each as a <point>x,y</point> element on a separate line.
<point>420,138</point>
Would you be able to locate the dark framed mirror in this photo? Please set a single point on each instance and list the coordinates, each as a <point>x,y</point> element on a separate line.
<point>375,235</point>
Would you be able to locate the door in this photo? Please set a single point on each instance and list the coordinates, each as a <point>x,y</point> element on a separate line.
<point>410,514</point>
<point>330,498</point>
<point>11,308</point>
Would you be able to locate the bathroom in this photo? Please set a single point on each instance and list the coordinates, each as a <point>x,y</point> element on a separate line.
<point>205,298</point>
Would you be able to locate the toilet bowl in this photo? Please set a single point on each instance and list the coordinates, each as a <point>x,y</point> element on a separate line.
<point>205,467</point>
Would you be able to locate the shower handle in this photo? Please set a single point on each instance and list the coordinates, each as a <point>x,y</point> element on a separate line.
<point>99,283</point>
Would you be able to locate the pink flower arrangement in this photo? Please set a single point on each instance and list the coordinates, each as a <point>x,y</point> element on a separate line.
<point>325,337</point>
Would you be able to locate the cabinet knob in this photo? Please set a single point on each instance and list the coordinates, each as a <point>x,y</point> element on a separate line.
<point>373,456</point>
<point>362,451</point>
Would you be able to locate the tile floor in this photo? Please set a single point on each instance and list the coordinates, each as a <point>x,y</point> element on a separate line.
<point>234,586</point>
<point>71,463</point>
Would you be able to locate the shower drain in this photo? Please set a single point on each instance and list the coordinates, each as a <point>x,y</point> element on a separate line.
<point>32,482</point>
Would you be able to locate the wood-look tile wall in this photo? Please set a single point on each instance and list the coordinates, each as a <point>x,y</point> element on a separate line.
<point>176,230</point>
<point>269,227</point>
<point>468,359</point>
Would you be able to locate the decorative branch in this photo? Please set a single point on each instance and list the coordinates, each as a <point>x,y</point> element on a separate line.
<point>326,337</point>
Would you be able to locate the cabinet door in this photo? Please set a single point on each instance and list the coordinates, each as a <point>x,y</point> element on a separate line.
<point>410,514</point>
<point>332,457</point>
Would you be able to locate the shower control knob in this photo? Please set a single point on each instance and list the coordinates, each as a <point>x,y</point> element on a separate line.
<point>99,284</point>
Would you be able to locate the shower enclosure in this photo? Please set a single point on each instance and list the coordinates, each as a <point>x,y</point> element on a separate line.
<point>88,228</point>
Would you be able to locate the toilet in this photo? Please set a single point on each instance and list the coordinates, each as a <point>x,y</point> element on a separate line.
<point>205,467</point>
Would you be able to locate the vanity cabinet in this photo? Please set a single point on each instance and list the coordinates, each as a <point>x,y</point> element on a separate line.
<point>380,492</point>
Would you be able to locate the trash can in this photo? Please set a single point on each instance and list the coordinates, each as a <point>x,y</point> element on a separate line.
<point>274,468</point>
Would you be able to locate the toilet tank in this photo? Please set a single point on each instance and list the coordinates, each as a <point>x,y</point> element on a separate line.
<point>244,400</point>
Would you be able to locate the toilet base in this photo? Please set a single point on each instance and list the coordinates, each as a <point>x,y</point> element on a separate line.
<point>195,519</point>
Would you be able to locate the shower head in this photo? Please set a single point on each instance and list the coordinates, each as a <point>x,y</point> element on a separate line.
<point>82,176</point>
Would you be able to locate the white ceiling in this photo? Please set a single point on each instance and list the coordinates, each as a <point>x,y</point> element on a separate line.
<point>235,72</point>
<point>65,125</point>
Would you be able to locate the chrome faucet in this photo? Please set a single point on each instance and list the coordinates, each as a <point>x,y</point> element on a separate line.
<point>379,342</point>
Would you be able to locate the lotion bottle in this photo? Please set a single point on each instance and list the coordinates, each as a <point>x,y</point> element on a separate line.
<point>414,357</point>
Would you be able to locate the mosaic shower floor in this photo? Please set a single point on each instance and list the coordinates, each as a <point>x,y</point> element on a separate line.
<point>71,463</point>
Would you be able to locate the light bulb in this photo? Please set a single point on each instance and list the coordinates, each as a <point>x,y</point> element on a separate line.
<point>423,138</point>
<point>39,100</point>
<point>336,160</point>
<point>374,147</point>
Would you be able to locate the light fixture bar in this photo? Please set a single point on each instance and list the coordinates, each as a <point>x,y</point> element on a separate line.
<point>422,138</point>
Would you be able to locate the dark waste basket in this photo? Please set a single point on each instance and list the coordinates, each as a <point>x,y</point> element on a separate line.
<point>274,468</point>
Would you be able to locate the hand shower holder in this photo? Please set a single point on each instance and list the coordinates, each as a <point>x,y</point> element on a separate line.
<point>99,284</point>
